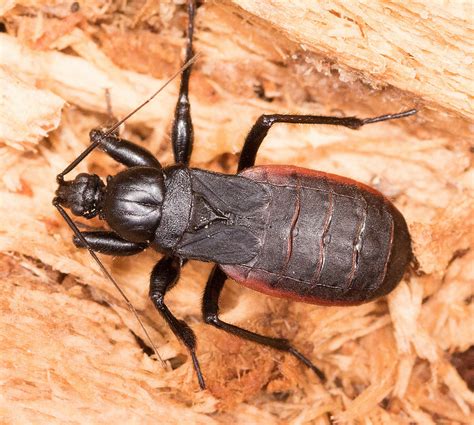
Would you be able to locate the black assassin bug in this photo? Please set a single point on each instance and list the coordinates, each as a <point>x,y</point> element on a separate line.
<point>282,230</point>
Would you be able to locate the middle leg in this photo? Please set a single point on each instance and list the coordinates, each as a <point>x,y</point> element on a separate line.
<point>210,311</point>
<point>163,277</point>
<point>182,132</point>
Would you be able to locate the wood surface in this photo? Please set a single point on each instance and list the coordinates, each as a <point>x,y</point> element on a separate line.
<point>67,353</point>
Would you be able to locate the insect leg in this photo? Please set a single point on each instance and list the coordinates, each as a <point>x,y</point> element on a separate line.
<point>124,151</point>
<point>264,122</point>
<point>182,131</point>
<point>109,243</point>
<point>163,277</point>
<point>210,311</point>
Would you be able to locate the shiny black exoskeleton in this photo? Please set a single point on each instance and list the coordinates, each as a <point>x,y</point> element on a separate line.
<point>282,230</point>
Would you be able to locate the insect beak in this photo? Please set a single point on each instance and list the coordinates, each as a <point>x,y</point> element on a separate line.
<point>83,195</point>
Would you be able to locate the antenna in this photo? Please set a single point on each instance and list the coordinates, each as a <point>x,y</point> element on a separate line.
<point>92,146</point>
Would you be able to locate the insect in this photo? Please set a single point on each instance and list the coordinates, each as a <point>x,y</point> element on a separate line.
<point>281,230</point>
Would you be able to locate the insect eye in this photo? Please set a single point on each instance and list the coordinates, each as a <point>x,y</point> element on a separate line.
<point>96,135</point>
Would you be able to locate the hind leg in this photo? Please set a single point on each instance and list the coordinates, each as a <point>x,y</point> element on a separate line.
<point>261,127</point>
<point>210,311</point>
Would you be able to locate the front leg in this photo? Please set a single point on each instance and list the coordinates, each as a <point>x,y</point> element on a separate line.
<point>108,243</point>
<point>210,311</point>
<point>124,151</point>
<point>163,277</point>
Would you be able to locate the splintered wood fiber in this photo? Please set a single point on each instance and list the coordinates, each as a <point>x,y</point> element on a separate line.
<point>68,353</point>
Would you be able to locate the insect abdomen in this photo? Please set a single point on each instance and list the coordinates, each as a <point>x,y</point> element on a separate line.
<point>328,239</point>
